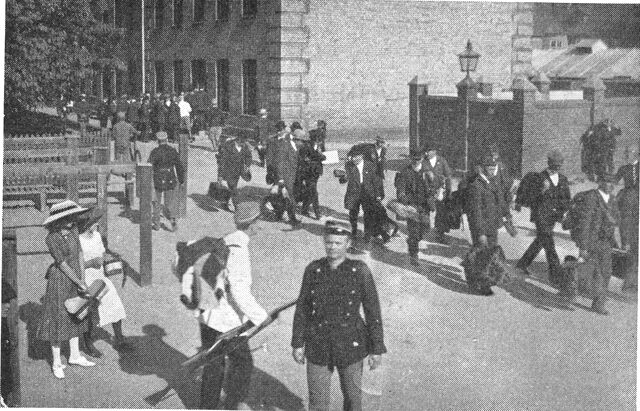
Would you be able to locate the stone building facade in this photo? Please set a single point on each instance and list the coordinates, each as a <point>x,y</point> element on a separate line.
<point>345,61</point>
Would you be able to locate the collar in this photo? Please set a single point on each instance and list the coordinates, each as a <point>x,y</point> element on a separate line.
<point>433,161</point>
<point>604,196</point>
<point>635,163</point>
<point>485,178</point>
<point>237,238</point>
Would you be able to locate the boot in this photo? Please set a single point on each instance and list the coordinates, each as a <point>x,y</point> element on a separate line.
<point>89,347</point>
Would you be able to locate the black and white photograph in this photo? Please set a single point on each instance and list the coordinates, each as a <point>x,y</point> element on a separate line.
<point>320,205</point>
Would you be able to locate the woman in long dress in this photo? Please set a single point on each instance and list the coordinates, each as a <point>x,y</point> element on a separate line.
<point>110,309</point>
<point>65,279</point>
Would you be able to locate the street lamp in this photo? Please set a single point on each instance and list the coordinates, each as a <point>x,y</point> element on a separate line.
<point>468,63</point>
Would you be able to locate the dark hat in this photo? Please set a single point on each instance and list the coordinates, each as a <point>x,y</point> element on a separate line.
<point>333,227</point>
<point>280,125</point>
<point>488,160</point>
<point>380,139</point>
<point>89,219</point>
<point>429,147</point>
<point>246,212</point>
<point>607,178</point>
<point>416,156</point>
<point>296,125</point>
<point>555,158</point>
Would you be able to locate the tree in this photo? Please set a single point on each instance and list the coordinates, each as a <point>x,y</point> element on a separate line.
<point>49,46</point>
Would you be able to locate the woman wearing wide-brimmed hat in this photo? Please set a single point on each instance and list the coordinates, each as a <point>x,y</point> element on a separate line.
<point>64,281</point>
<point>110,309</point>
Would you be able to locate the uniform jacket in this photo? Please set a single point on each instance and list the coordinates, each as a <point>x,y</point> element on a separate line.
<point>234,162</point>
<point>237,304</point>
<point>598,222</point>
<point>371,186</point>
<point>166,167</point>
<point>327,321</point>
<point>441,171</point>
<point>627,173</point>
<point>486,207</point>
<point>287,163</point>
<point>414,188</point>
<point>549,206</point>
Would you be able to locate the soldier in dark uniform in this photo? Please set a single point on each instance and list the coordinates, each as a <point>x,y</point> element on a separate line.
<point>415,190</point>
<point>627,201</point>
<point>166,168</point>
<point>328,331</point>
<point>549,206</point>
<point>132,113</point>
<point>486,206</point>
<point>439,174</point>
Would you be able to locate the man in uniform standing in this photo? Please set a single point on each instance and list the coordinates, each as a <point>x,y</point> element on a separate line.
<point>328,331</point>
<point>439,174</point>
<point>166,167</point>
<point>549,206</point>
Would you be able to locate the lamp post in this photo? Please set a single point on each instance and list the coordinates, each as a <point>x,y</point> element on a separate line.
<point>468,63</point>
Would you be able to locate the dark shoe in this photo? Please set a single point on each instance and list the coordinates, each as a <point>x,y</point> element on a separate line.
<point>155,227</point>
<point>121,344</point>
<point>174,226</point>
<point>90,349</point>
<point>295,223</point>
<point>386,238</point>
<point>486,291</point>
<point>600,310</point>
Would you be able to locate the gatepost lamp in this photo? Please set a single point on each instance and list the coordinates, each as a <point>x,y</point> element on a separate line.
<point>468,63</point>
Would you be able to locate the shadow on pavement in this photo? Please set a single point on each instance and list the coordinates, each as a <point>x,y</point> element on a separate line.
<point>152,356</point>
<point>205,202</point>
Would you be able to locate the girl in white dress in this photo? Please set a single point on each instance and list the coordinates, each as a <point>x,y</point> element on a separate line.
<point>110,309</point>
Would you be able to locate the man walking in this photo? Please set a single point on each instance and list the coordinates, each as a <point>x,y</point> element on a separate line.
<point>328,330</point>
<point>185,116</point>
<point>173,118</point>
<point>627,200</point>
<point>166,168</point>
<point>414,190</point>
<point>235,160</point>
<point>551,199</point>
<point>439,174</point>
<point>287,154</point>
<point>363,189</point>
<point>225,310</point>
<point>595,238</point>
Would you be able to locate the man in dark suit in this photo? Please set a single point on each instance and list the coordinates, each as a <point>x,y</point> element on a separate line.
<point>486,207</point>
<point>627,201</point>
<point>286,158</point>
<point>363,189</point>
<point>167,172</point>
<point>235,160</point>
<point>439,174</point>
<point>604,137</point>
<point>328,329</point>
<point>548,208</point>
<point>415,190</point>
<point>596,236</point>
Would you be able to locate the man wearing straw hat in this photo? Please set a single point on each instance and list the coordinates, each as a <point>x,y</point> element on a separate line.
<point>232,301</point>
<point>328,330</point>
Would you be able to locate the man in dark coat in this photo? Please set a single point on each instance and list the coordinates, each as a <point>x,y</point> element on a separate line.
<point>486,207</point>
<point>287,153</point>
<point>415,190</point>
<point>235,162</point>
<point>364,188</point>
<point>132,113</point>
<point>549,206</point>
<point>309,171</point>
<point>173,119</point>
<point>271,150</point>
<point>104,113</point>
<point>144,119</point>
<point>167,172</point>
<point>319,134</point>
<point>604,138</point>
<point>596,236</point>
<point>328,330</point>
<point>627,201</point>
<point>439,174</point>
<point>262,131</point>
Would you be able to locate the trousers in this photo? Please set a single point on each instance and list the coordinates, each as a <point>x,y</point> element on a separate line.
<point>169,204</point>
<point>240,367</point>
<point>367,210</point>
<point>416,230</point>
<point>599,263</point>
<point>544,240</point>
<point>319,381</point>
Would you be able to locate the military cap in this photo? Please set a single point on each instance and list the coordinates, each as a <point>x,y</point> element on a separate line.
<point>280,125</point>
<point>333,227</point>
<point>555,158</point>
<point>488,160</point>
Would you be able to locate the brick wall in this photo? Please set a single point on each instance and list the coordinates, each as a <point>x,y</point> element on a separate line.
<point>362,54</point>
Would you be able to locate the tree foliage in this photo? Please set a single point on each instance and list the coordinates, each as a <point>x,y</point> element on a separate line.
<point>49,46</point>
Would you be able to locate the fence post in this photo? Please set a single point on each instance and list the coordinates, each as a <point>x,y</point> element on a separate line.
<point>144,179</point>
<point>9,274</point>
<point>593,91</point>
<point>183,150</point>
<point>416,89</point>
<point>524,97</point>
<point>101,205</point>
<point>73,143</point>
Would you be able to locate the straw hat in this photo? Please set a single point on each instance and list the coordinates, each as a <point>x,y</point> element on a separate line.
<point>64,209</point>
<point>246,212</point>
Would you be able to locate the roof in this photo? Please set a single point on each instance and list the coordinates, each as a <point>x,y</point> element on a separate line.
<point>603,63</point>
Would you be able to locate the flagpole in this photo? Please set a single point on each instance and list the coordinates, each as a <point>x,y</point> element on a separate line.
<point>142,66</point>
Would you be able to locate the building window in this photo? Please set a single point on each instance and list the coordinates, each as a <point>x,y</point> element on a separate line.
<point>199,10</point>
<point>199,74</point>
<point>177,13</point>
<point>158,13</point>
<point>249,8</point>
<point>222,10</point>
<point>120,13</point>
<point>222,81</point>
<point>133,13</point>
<point>178,76</point>
<point>159,70</point>
<point>249,87</point>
